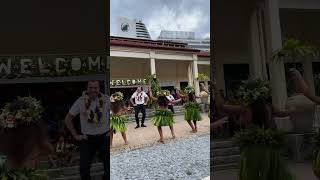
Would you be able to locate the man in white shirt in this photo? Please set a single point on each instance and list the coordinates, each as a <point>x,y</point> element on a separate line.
<point>139,99</point>
<point>94,118</point>
<point>170,105</point>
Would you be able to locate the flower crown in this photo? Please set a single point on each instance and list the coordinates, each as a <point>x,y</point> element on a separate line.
<point>253,90</point>
<point>22,111</point>
<point>118,96</point>
<point>163,93</point>
<point>188,89</point>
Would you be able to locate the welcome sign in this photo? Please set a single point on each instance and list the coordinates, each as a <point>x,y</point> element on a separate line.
<point>128,82</point>
<point>51,65</point>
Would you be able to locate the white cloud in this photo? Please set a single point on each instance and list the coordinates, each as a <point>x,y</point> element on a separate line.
<point>177,15</point>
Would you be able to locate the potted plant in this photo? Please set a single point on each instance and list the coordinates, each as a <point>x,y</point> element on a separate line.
<point>261,155</point>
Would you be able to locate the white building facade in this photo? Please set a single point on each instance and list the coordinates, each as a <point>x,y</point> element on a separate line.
<point>185,37</point>
<point>174,64</point>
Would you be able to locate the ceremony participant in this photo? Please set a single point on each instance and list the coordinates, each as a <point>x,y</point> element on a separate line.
<point>192,109</point>
<point>170,105</point>
<point>256,109</point>
<point>94,115</point>
<point>117,120</point>
<point>139,99</point>
<point>163,116</point>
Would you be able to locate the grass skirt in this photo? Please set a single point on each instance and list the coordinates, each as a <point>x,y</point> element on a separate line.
<point>192,111</point>
<point>117,123</point>
<point>163,117</point>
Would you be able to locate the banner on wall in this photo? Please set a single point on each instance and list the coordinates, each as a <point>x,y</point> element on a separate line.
<point>51,65</point>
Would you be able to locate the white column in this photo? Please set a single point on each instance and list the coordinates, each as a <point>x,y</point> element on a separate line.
<point>190,80</point>
<point>195,75</point>
<point>153,66</point>
<point>277,71</point>
<point>308,75</point>
<point>153,63</point>
<point>255,67</point>
<point>258,62</point>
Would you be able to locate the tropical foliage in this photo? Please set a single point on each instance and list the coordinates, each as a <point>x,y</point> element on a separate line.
<point>21,174</point>
<point>203,77</point>
<point>294,49</point>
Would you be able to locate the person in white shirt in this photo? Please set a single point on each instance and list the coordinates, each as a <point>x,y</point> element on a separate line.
<point>93,108</point>
<point>170,105</point>
<point>139,99</point>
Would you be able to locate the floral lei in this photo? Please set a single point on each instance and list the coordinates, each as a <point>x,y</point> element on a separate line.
<point>96,115</point>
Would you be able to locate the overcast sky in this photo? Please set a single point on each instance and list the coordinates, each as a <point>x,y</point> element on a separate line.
<point>175,15</point>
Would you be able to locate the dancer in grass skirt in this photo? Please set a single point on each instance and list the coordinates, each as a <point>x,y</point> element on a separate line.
<point>163,116</point>
<point>192,109</point>
<point>117,120</point>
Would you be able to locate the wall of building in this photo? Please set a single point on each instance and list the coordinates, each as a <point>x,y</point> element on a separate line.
<point>172,72</point>
<point>125,68</point>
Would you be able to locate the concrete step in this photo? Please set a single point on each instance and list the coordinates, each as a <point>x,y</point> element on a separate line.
<point>94,176</point>
<point>226,151</point>
<point>73,171</point>
<point>223,144</point>
<point>221,167</point>
<point>218,160</point>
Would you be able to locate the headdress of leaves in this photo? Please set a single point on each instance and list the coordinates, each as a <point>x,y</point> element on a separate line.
<point>253,90</point>
<point>188,89</point>
<point>163,93</point>
<point>118,96</point>
<point>21,111</point>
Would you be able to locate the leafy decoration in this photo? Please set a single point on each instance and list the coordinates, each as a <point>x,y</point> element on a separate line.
<point>203,77</point>
<point>20,174</point>
<point>22,111</point>
<point>294,49</point>
<point>252,90</point>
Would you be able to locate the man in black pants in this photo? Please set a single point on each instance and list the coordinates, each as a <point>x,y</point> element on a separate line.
<point>139,99</point>
<point>93,109</point>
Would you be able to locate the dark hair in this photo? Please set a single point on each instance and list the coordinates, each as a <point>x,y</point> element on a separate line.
<point>163,101</point>
<point>18,143</point>
<point>259,110</point>
<point>191,97</point>
<point>92,81</point>
<point>116,106</point>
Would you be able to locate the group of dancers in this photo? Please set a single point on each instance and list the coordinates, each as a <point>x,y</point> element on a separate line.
<point>163,115</point>
<point>259,110</point>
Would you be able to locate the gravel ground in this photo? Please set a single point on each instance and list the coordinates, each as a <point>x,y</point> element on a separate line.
<point>184,159</point>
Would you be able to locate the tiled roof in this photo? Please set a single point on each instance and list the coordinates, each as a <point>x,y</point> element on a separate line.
<point>203,54</point>
<point>150,44</point>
